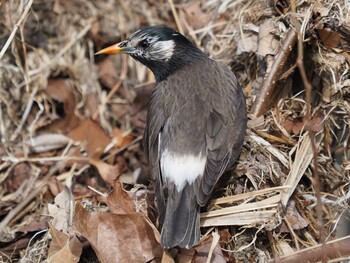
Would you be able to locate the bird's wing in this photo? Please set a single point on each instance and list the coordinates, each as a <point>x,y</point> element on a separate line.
<point>151,138</point>
<point>225,132</point>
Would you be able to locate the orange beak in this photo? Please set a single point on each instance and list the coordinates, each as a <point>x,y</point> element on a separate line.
<point>116,49</point>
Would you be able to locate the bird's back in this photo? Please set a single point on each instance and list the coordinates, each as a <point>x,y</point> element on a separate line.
<point>186,102</point>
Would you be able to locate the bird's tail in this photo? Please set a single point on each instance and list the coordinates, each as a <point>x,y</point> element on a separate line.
<point>181,225</point>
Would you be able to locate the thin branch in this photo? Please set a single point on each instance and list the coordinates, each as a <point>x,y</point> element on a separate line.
<point>15,28</point>
<point>330,250</point>
<point>267,87</point>
<point>177,21</point>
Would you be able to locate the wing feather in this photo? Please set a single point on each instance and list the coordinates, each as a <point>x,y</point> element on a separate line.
<point>225,132</point>
<point>152,135</point>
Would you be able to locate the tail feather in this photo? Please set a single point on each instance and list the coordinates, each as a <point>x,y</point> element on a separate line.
<point>181,226</point>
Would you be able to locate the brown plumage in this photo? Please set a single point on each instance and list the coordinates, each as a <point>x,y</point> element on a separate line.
<point>195,127</point>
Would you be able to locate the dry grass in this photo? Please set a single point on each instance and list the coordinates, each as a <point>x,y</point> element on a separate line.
<point>297,138</point>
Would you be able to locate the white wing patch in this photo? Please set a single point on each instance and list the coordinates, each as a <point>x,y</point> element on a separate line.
<point>181,169</point>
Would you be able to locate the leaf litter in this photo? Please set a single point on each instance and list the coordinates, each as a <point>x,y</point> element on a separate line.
<point>74,183</point>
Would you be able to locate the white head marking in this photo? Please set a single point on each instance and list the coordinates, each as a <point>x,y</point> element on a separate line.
<point>161,50</point>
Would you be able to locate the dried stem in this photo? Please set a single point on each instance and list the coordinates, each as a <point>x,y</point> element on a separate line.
<point>270,81</point>
<point>15,28</point>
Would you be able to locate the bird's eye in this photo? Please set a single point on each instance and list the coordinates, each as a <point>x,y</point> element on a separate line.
<point>144,43</point>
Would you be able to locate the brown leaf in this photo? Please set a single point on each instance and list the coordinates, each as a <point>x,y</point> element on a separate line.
<point>107,72</point>
<point>316,123</point>
<point>119,202</point>
<point>55,186</point>
<point>109,173</point>
<point>186,255</point>
<point>34,226</point>
<point>329,38</point>
<point>20,173</point>
<point>122,138</point>
<point>194,15</point>
<point>117,238</point>
<point>62,91</point>
<point>294,218</point>
<point>63,248</point>
<point>203,252</point>
<point>90,133</point>
<point>293,126</point>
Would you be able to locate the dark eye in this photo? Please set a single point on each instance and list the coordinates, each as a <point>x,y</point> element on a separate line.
<point>144,43</point>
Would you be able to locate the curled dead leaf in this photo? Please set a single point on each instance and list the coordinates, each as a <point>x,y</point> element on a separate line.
<point>119,202</point>
<point>91,134</point>
<point>118,238</point>
<point>60,211</point>
<point>64,248</point>
<point>109,173</point>
<point>47,142</point>
<point>62,91</point>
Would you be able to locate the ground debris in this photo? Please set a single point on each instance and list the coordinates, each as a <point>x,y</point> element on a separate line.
<point>73,177</point>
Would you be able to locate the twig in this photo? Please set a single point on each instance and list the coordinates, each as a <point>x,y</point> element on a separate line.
<point>308,89</point>
<point>64,50</point>
<point>136,140</point>
<point>25,114</point>
<point>15,28</point>
<point>270,81</point>
<point>114,89</point>
<point>177,21</point>
<point>332,249</point>
<point>43,159</point>
<point>12,214</point>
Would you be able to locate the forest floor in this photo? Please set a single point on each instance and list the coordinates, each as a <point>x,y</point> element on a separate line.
<point>74,182</point>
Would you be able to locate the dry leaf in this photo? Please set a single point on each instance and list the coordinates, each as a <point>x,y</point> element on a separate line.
<point>117,238</point>
<point>34,226</point>
<point>62,91</point>
<point>121,138</point>
<point>55,186</point>
<point>249,43</point>
<point>329,38</point>
<point>60,211</point>
<point>294,218</point>
<point>107,72</point>
<point>185,255</point>
<point>315,124</point>
<point>47,142</point>
<point>282,6</point>
<point>63,248</point>
<point>90,133</point>
<point>19,174</point>
<point>194,15</point>
<point>119,202</point>
<point>268,44</point>
<point>109,173</point>
<point>320,8</point>
<point>203,252</point>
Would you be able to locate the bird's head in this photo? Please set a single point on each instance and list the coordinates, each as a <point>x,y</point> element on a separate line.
<point>161,49</point>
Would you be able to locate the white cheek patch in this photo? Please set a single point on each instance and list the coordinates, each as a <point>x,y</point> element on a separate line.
<point>181,169</point>
<point>161,50</point>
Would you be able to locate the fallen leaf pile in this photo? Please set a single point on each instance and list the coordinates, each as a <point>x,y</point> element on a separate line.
<point>74,182</point>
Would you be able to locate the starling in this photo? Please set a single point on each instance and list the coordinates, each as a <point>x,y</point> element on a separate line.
<point>195,129</point>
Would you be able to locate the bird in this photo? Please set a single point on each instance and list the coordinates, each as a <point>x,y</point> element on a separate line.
<point>195,128</point>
